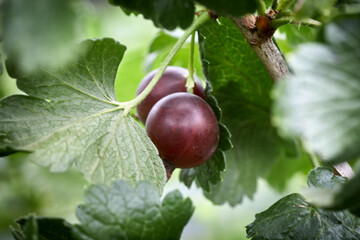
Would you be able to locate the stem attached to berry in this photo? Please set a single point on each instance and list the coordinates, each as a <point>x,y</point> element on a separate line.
<point>190,82</point>
<point>204,17</point>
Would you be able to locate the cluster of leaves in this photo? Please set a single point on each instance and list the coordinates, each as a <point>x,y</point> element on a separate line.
<point>320,102</point>
<point>116,212</point>
<point>240,82</point>
<point>179,13</point>
<point>292,217</point>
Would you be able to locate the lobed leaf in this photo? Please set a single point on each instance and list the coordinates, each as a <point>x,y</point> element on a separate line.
<point>167,14</point>
<point>42,228</point>
<point>71,118</point>
<point>322,177</point>
<point>242,87</point>
<point>230,7</point>
<point>123,212</point>
<point>117,212</point>
<point>320,102</point>
<point>170,14</point>
<point>292,217</point>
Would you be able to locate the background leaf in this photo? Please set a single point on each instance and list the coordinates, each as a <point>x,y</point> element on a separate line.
<point>42,228</point>
<point>123,212</point>
<point>320,102</point>
<point>72,118</point>
<point>333,192</point>
<point>242,87</point>
<point>116,212</point>
<point>170,14</point>
<point>292,217</point>
<point>230,7</point>
<point>39,34</point>
<point>167,14</point>
<point>322,177</point>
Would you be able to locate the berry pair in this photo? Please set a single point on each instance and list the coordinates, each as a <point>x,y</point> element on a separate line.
<point>182,125</point>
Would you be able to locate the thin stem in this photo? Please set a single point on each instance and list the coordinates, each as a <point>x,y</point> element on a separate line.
<point>190,82</point>
<point>276,23</point>
<point>134,102</point>
<point>261,7</point>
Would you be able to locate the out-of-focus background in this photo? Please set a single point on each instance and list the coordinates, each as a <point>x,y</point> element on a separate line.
<point>26,188</point>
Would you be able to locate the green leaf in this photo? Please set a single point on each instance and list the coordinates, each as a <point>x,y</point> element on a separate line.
<point>348,2</point>
<point>255,151</point>
<point>123,212</point>
<point>167,14</point>
<point>242,87</point>
<point>34,228</point>
<point>323,177</point>
<point>38,34</point>
<point>187,176</point>
<point>320,102</point>
<point>294,218</point>
<point>71,118</point>
<point>230,7</point>
<point>210,172</point>
<point>334,192</point>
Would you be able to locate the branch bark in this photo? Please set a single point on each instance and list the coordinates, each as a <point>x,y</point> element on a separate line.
<point>275,64</point>
<point>264,48</point>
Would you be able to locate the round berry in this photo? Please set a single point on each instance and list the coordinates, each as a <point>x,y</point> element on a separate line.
<point>184,129</point>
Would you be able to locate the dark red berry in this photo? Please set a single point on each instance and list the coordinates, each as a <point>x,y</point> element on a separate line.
<point>184,129</point>
<point>173,80</point>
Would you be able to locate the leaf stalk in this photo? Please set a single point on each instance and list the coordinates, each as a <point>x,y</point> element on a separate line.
<point>190,82</point>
